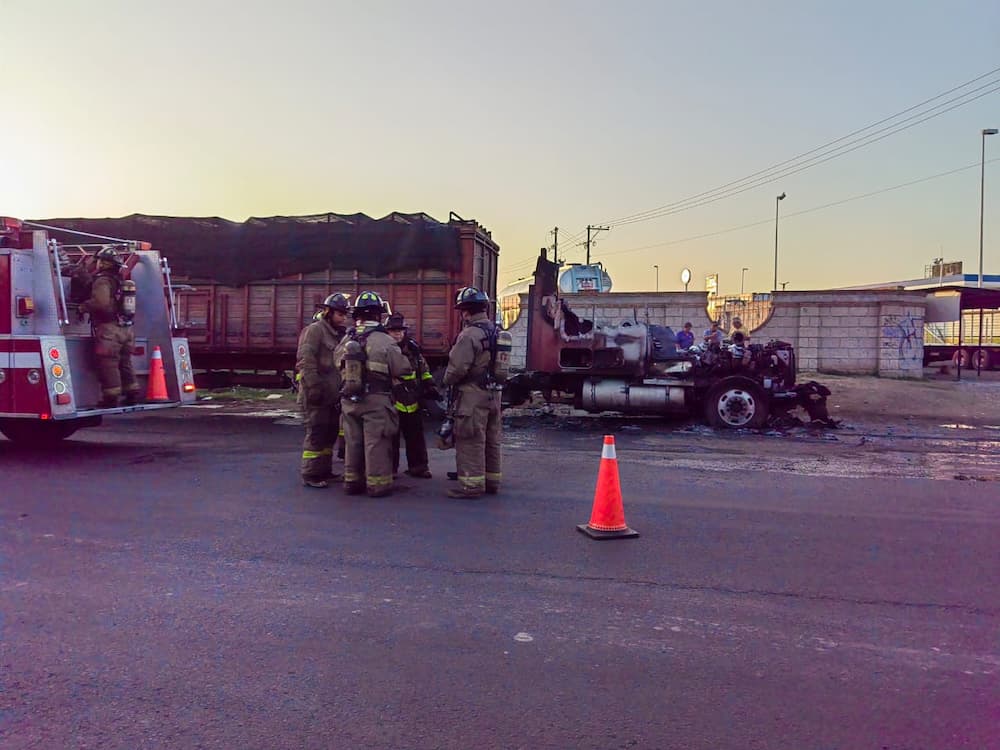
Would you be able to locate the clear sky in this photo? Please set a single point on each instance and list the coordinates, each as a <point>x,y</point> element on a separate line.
<point>522,115</point>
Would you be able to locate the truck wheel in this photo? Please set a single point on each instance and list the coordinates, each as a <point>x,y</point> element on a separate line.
<point>962,355</point>
<point>981,359</point>
<point>736,402</point>
<point>36,433</point>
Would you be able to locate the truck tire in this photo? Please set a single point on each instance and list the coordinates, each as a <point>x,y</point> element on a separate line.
<point>36,433</point>
<point>981,360</point>
<point>735,403</point>
<point>963,355</point>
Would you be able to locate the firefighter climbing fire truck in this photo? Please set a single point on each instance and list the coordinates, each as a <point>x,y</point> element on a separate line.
<point>48,375</point>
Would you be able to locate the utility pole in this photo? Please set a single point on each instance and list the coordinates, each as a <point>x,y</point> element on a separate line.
<point>595,230</point>
<point>555,244</point>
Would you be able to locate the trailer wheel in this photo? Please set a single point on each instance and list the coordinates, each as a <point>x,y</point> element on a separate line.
<point>736,402</point>
<point>36,433</point>
<point>962,355</point>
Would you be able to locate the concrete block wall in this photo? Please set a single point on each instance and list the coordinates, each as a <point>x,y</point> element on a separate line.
<point>901,339</point>
<point>850,332</point>
<point>875,332</point>
<point>672,309</point>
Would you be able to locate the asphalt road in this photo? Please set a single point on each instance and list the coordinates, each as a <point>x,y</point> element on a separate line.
<point>165,582</point>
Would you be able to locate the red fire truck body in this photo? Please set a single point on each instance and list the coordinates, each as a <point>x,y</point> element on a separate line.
<point>48,375</point>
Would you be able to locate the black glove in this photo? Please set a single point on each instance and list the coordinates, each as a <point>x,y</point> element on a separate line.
<point>431,392</point>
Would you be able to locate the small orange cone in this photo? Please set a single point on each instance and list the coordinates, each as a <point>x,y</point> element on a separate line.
<point>157,388</point>
<point>607,520</point>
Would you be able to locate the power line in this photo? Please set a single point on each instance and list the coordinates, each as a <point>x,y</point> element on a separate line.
<point>823,147</point>
<point>809,164</point>
<point>530,262</point>
<point>785,217</point>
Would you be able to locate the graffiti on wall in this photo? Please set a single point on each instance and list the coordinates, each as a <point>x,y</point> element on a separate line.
<point>905,334</point>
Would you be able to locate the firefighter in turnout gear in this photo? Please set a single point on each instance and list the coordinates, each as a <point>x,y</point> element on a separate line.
<point>477,399</point>
<point>112,308</point>
<point>407,395</point>
<point>371,364</point>
<point>319,389</point>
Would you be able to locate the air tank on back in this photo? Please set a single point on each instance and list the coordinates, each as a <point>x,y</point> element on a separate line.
<point>579,277</point>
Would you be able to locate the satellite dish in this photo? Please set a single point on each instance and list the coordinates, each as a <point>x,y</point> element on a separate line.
<point>685,275</point>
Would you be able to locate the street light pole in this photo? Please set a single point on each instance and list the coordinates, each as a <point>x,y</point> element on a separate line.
<point>776,199</point>
<point>982,200</point>
<point>657,277</point>
<point>743,276</point>
<point>982,205</point>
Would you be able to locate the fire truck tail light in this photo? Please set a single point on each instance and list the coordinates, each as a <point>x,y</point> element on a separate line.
<point>144,245</point>
<point>63,398</point>
<point>54,353</point>
<point>57,371</point>
<point>189,387</point>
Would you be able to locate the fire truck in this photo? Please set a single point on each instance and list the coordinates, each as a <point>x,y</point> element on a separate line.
<point>49,387</point>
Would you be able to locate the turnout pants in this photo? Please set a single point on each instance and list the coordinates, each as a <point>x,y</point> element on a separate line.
<point>322,425</point>
<point>113,346</point>
<point>411,430</point>
<point>477,440</point>
<point>369,428</point>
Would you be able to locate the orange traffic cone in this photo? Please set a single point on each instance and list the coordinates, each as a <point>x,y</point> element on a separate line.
<point>157,388</point>
<point>607,520</point>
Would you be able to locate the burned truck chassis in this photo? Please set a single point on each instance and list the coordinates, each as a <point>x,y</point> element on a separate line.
<point>635,368</point>
<point>750,392</point>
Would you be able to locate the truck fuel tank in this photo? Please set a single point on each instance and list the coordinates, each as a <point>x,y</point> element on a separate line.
<point>619,395</point>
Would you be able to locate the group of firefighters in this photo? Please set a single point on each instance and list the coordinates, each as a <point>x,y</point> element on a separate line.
<point>361,387</point>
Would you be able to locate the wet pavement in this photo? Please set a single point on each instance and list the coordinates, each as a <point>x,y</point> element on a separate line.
<point>165,582</point>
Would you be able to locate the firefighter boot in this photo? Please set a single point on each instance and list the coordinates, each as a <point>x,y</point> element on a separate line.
<point>465,494</point>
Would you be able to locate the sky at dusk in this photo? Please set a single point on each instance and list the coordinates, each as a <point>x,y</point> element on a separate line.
<point>524,116</point>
